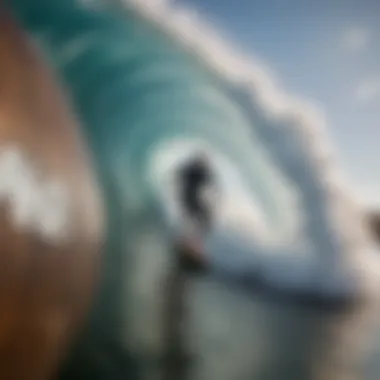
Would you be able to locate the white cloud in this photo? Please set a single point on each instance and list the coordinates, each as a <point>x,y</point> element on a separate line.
<point>368,90</point>
<point>356,39</point>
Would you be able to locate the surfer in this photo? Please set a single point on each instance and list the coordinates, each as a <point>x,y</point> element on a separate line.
<point>195,179</point>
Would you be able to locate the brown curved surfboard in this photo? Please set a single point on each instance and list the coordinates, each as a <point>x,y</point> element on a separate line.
<point>50,215</point>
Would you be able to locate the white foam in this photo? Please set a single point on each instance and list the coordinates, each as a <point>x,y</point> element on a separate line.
<point>341,204</point>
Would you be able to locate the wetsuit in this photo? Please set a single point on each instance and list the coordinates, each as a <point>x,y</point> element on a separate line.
<point>194,177</point>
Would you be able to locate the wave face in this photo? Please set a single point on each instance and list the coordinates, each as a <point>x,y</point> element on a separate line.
<point>153,85</point>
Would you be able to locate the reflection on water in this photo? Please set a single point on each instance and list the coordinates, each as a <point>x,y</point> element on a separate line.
<point>235,334</point>
<point>240,338</point>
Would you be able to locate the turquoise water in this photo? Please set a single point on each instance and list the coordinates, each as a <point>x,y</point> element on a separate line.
<point>133,88</point>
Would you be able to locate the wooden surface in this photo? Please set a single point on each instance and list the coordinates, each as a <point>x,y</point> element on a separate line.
<point>45,285</point>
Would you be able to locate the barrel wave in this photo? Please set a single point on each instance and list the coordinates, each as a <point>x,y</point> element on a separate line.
<point>152,85</point>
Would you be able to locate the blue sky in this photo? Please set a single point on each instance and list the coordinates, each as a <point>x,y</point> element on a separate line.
<point>327,51</point>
